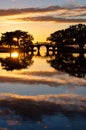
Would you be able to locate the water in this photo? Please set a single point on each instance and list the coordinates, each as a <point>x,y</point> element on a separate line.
<point>42,92</point>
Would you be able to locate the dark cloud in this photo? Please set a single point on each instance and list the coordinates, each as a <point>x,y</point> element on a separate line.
<point>47,79</point>
<point>52,19</point>
<point>81,15</point>
<point>52,13</point>
<point>4,12</point>
<point>42,104</point>
<point>29,10</point>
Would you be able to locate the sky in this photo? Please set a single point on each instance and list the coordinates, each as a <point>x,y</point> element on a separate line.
<point>37,3</point>
<point>41,17</point>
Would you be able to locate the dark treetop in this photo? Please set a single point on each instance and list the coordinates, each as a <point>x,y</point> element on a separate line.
<point>74,35</point>
<point>17,38</point>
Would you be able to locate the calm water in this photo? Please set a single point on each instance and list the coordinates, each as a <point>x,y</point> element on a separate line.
<point>42,91</point>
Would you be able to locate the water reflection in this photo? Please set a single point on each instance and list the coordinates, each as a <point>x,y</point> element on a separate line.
<point>72,63</point>
<point>16,61</point>
<point>14,54</point>
<point>35,107</point>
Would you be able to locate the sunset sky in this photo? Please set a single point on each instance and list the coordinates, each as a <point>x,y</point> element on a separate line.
<point>40,17</point>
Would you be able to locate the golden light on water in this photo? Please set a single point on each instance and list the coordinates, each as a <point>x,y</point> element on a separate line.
<point>75,55</point>
<point>43,51</point>
<point>85,55</point>
<point>15,39</point>
<point>14,54</point>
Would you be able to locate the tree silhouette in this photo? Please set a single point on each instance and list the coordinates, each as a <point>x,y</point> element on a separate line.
<point>23,38</point>
<point>69,63</point>
<point>17,38</point>
<point>74,35</point>
<point>7,39</point>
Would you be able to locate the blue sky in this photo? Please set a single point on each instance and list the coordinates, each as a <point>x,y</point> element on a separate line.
<point>37,3</point>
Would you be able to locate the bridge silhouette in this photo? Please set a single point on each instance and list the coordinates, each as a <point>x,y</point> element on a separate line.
<point>32,48</point>
<point>37,47</point>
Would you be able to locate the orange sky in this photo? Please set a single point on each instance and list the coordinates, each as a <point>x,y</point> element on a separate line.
<point>41,22</point>
<point>40,31</point>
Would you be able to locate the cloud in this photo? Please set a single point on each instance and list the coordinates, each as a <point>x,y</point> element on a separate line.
<point>52,79</point>
<point>4,12</point>
<point>36,106</point>
<point>29,10</point>
<point>52,19</point>
<point>72,14</point>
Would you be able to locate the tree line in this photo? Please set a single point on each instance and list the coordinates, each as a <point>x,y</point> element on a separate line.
<point>17,38</point>
<point>74,35</point>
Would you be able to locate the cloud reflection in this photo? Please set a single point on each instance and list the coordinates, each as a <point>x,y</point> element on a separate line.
<point>13,122</point>
<point>34,107</point>
<point>3,129</point>
<point>53,79</point>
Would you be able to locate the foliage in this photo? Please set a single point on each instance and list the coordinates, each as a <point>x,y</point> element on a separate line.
<point>74,35</point>
<point>72,63</point>
<point>17,38</point>
<point>16,63</point>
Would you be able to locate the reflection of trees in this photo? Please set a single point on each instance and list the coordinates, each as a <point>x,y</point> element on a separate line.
<point>16,63</point>
<point>70,63</point>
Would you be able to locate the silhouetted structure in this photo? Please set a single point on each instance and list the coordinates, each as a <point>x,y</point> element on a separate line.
<point>74,35</point>
<point>71,63</point>
<point>37,47</point>
<point>17,38</point>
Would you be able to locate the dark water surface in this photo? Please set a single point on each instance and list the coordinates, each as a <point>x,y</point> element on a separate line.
<point>42,92</point>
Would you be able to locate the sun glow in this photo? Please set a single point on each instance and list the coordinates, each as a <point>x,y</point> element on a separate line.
<point>15,39</point>
<point>14,54</point>
<point>75,55</point>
